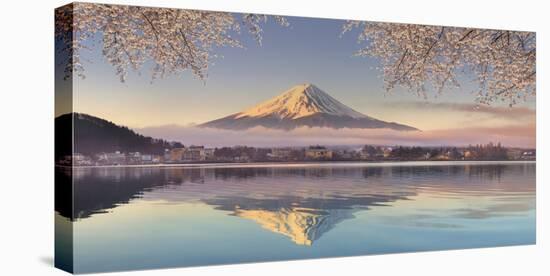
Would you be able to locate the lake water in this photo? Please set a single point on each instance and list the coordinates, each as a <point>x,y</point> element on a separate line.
<point>156,217</point>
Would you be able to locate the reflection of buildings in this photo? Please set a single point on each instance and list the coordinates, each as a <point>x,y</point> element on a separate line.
<point>301,225</point>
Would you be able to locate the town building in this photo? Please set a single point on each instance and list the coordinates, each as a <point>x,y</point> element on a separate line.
<point>81,160</point>
<point>468,154</point>
<point>176,155</point>
<point>528,155</point>
<point>280,153</point>
<point>157,159</point>
<point>514,154</point>
<point>209,154</point>
<point>112,158</point>
<point>318,152</point>
<point>133,158</point>
<point>386,152</point>
<point>194,153</point>
<point>345,154</point>
<point>242,158</point>
<point>146,158</point>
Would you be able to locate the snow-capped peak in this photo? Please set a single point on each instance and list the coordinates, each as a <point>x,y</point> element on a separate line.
<point>301,101</point>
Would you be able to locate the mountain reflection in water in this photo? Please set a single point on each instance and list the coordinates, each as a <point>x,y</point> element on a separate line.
<point>302,203</point>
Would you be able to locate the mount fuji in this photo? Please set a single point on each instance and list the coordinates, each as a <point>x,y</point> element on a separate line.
<point>302,105</point>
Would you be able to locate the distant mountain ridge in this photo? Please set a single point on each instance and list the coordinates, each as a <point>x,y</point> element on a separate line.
<point>93,135</point>
<point>302,105</point>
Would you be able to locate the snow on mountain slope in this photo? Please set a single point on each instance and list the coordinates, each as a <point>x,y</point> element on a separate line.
<point>301,101</point>
<point>302,105</point>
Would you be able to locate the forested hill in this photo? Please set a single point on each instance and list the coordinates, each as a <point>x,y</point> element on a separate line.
<point>94,135</point>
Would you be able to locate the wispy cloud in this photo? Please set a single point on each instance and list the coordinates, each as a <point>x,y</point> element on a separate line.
<point>513,113</point>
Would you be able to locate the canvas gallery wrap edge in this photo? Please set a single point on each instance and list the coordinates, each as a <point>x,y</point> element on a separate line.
<point>191,138</point>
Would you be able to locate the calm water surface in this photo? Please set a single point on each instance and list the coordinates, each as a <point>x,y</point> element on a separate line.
<point>143,218</point>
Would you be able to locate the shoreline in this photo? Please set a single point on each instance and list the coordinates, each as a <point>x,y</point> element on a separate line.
<point>310,164</point>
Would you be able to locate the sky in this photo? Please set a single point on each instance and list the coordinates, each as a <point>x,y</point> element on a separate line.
<point>308,51</point>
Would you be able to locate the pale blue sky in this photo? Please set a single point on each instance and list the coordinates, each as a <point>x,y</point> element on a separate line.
<point>310,50</point>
